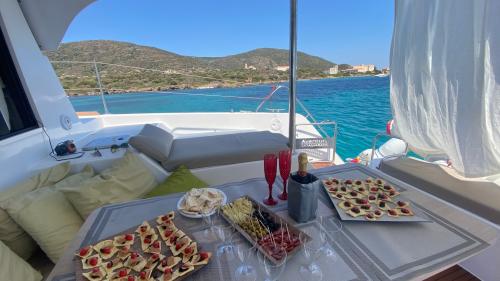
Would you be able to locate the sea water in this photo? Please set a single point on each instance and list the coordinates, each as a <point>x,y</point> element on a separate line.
<point>360,105</point>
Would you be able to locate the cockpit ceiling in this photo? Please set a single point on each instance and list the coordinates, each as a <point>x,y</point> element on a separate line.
<point>49,19</point>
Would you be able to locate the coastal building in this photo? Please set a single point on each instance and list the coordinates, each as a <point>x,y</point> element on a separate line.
<point>386,70</point>
<point>251,67</point>
<point>364,68</point>
<point>282,68</point>
<point>333,70</point>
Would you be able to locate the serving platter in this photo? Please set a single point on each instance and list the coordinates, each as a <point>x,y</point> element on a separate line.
<point>198,215</point>
<point>391,202</point>
<point>285,225</point>
<point>136,247</point>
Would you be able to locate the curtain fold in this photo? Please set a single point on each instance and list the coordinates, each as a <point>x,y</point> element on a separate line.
<point>445,81</point>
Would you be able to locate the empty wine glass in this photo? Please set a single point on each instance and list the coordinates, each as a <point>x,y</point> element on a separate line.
<point>224,234</point>
<point>270,167</point>
<point>245,272</point>
<point>285,159</point>
<point>309,270</point>
<point>209,232</point>
<point>273,271</point>
<point>326,250</point>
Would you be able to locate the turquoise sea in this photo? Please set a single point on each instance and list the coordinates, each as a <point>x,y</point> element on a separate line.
<point>360,105</point>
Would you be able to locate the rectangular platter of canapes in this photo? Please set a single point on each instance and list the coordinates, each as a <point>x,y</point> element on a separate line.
<point>263,228</point>
<point>370,200</point>
<point>156,250</point>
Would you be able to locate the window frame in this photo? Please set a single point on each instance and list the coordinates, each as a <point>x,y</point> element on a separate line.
<point>10,78</point>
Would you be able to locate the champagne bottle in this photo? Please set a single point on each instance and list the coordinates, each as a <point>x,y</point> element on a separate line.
<point>302,176</point>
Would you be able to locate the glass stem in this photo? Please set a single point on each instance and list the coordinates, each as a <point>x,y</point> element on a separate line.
<point>270,192</point>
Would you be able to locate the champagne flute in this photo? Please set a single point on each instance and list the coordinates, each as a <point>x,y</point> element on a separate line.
<point>309,270</point>
<point>285,158</point>
<point>209,232</point>
<point>273,271</point>
<point>245,272</point>
<point>270,167</point>
<point>326,250</point>
<point>225,235</point>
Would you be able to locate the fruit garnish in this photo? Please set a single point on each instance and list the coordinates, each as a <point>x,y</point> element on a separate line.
<point>370,216</point>
<point>134,255</point>
<point>373,189</point>
<point>381,204</point>
<point>392,192</point>
<point>129,237</point>
<point>378,213</point>
<point>353,193</point>
<point>144,228</point>
<point>95,270</point>
<point>109,264</point>
<point>361,201</point>
<point>366,207</point>
<point>392,212</point>
<point>106,250</point>
<point>387,187</point>
<point>147,240</point>
<point>122,273</point>
<point>188,250</point>
<point>348,181</point>
<point>401,203</point>
<point>371,197</point>
<point>347,204</point>
<point>142,274</point>
<point>84,251</point>
<point>167,270</point>
<point>405,211</point>
<point>358,182</point>
<point>156,244</point>
<point>168,232</point>
<point>93,261</point>
<point>155,256</point>
<point>203,255</point>
<point>355,209</point>
<point>130,278</point>
<point>178,246</point>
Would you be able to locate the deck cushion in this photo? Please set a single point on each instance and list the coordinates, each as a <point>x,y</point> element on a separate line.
<point>208,151</point>
<point>127,179</point>
<point>14,268</point>
<point>477,196</point>
<point>48,217</point>
<point>11,233</point>
<point>154,141</point>
<point>181,180</point>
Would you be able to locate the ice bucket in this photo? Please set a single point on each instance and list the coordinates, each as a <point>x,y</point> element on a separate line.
<point>302,199</point>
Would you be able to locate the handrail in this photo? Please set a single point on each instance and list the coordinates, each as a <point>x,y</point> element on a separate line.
<point>374,145</point>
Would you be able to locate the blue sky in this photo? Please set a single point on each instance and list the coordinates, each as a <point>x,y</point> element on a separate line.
<point>342,31</point>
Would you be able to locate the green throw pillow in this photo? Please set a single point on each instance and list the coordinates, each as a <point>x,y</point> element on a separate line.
<point>181,180</point>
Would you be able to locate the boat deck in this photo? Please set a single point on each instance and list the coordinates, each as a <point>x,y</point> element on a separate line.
<point>454,273</point>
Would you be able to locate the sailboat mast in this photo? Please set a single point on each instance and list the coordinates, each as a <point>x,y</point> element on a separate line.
<point>293,73</point>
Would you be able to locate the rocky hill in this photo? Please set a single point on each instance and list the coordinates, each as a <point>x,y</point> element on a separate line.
<point>168,70</point>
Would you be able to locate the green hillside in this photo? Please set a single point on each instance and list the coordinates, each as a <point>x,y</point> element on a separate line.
<point>171,70</point>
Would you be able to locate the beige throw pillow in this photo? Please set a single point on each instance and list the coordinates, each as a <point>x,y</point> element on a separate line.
<point>48,217</point>
<point>126,180</point>
<point>10,233</point>
<point>14,268</point>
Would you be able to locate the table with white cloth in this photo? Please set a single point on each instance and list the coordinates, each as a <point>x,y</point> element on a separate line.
<point>365,250</point>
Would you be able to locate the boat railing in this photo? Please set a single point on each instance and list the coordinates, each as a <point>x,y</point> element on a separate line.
<point>374,147</point>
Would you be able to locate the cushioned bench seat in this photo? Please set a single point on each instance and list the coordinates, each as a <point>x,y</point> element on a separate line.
<point>477,196</point>
<point>206,151</point>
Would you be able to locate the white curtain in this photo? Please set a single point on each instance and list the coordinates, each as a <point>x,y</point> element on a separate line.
<point>445,80</point>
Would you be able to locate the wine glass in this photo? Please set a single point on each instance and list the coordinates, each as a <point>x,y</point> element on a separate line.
<point>209,232</point>
<point>326,250</point>
<point>224,234</point>
<point>309,270</point>
<point>273,271</point>
<point>285,158</point>
<point>245,272</point>
<point>270,166</point>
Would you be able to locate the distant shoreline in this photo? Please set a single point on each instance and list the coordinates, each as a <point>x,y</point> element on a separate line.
<point>206,86</point>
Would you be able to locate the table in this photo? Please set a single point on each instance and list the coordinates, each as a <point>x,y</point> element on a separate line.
<point>367,251</point>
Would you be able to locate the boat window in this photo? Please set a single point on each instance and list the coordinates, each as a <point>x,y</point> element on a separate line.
<point>16,115</point>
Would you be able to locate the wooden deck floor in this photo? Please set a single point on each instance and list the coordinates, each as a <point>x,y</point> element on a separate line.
<point>454,273</point>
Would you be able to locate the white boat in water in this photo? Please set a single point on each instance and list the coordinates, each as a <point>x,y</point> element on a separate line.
<point>59,168</point>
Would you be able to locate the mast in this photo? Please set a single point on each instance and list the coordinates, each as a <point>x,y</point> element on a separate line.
<point>104,104</point>
<point>293,74</point>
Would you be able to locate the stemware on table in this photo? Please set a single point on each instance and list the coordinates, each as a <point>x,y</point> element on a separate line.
<point>270,168</point>
<point>209,233</point>
<point>272,272</point>
<point>225,235</point>
<point>245,271</point>
<point>285,160</point>
<point>309,270</point>
<point>326,250</point>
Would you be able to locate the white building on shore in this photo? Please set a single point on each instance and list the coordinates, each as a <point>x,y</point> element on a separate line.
<point>282,68</point>
<point>364,68</point>
<point>333,70</point>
